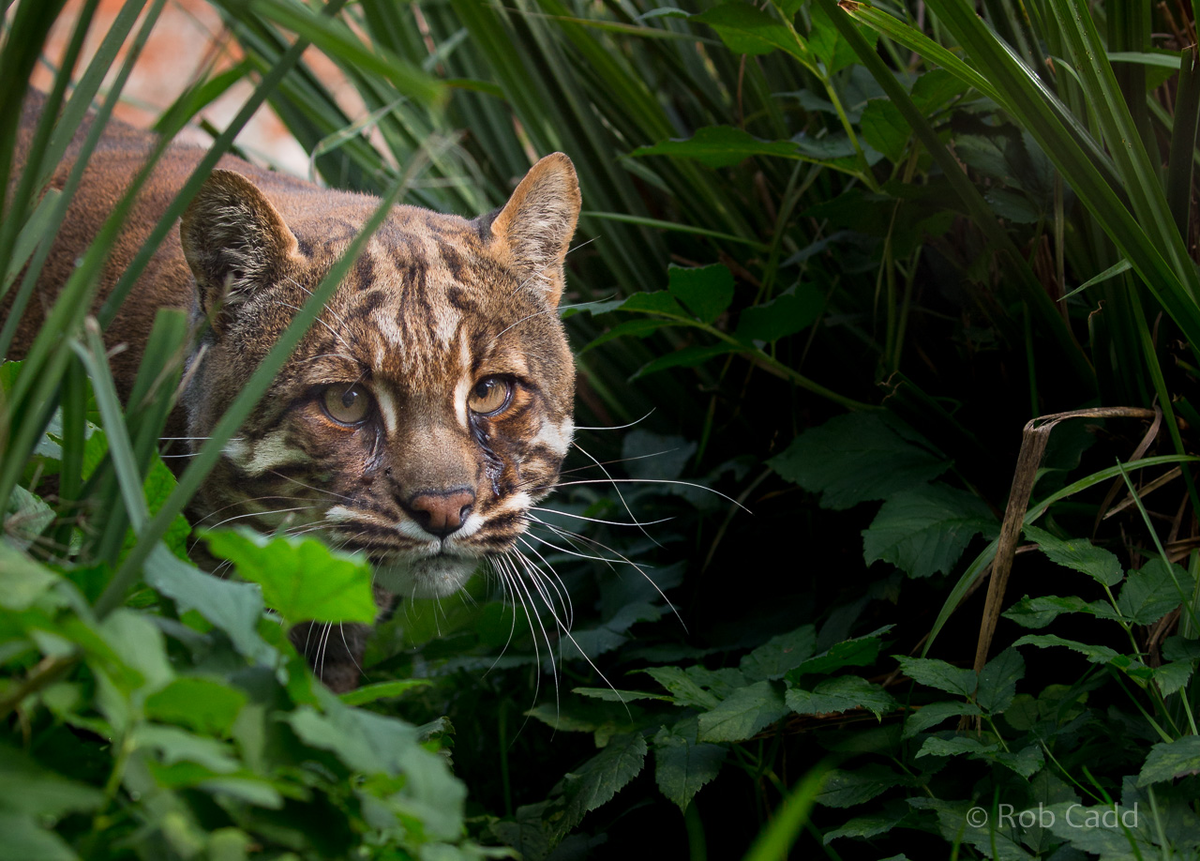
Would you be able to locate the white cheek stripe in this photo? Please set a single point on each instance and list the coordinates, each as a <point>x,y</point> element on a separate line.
<point>462,391</point>
<point>557,439</point>
<point>268,453</point>
<point>387,409</point>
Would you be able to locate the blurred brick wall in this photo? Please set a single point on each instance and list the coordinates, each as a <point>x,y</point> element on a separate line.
<point>187,37</point>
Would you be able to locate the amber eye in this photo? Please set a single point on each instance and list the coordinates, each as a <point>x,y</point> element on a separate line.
<point>490,396</point>
<point>346,403</point>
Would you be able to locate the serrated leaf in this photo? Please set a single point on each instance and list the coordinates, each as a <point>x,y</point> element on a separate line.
<point>720,146</point>
<point>1078,555</point>
<point>933,714</point>
<point>940,675</point>
<point>844,788</point>
<point>857,652</point>
<point>705,290</point>
<point>684,687</point>
<point>599,779</point>
<point>858,457</point>
<point>884,128</point>
<point>998,681</point>
<point>1041,611</point>
<point>1095,654</point>
<point>1153,591</point>
<point>743,713</point>
<point>840,694</point>
<point>683,765</point>
<point>779,654</point>
<point>302,579</point>
<point>925,531</point>
<point>1169,760</point>
<point>1172,677</point>
<point>788,313</point>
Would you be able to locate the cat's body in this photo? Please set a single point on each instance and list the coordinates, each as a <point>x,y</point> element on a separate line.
<point>423,414</point>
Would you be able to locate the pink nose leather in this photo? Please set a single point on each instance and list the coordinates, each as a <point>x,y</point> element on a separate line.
<point>442,513</point>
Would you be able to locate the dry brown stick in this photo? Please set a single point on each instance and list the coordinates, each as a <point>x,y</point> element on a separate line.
<point>1033,445</point>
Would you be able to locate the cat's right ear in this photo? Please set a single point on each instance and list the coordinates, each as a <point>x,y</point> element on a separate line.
<point>234,241</point>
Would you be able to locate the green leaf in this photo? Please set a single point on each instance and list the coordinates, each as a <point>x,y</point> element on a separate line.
<point>857,457</point>
<point>657,302</point>
<point>705,290</point>
<point>1079,555</point>
<point>884,128</point>
<point>599,779</point>
<point>840,694</point>
<point>639,328</point>
<point>233,607</point>
<point>1153,591</point>
<point>688,357</point>
<point>177,745</point>
<point>834,52</point>
<point>1095,654</point>
<point>720,146</point>
<point>684,686</point>
<point>857,652</point>
<point>790,312</point>
<point>28,787</point>
<point>925,531</point>
<point>302,579</point>
<point>683,765</point>
<point>199,704</point>
<point>940,675</point>
<point>22,580</point>
<point>25,839</point>
<point>851,788</point>
<point>779,654</point>
<point>998,681</point>
<point>1169,760</point>
<point>746,29</point>
<point>743,713</point>
<point>24,517</point>
<point>933,714</point>
<point>1172,677</point>
<point>382,690</point>
<point>1041,611</point>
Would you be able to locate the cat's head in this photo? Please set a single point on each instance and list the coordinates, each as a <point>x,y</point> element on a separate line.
<point>428,408</point>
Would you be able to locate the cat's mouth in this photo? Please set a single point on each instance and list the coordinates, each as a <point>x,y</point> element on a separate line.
<point>434,576</point>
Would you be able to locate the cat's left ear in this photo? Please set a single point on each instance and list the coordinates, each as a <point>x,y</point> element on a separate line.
<point>535,227</point>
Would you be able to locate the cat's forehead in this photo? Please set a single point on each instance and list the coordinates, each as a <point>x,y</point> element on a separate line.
<point>426,299</point>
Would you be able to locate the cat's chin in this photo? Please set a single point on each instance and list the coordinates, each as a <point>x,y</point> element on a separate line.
<point>429,577</point>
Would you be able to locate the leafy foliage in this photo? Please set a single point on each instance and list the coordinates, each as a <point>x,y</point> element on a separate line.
<point>834,257</point>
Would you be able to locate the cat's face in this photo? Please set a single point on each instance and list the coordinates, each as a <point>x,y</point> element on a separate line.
<point>428,408</point>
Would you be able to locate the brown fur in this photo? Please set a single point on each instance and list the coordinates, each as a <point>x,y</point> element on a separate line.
<point>440,320</point>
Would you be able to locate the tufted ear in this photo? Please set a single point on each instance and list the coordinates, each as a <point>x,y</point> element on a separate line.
<point>234,240</point>
<point>535,227</point>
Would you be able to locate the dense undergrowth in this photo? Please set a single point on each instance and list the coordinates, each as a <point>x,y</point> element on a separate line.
<point>826,593</point>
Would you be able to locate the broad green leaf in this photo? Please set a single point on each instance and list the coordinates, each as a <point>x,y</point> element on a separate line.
<point>845,788</point>
<point>1095,654</point>
<point>858,457</point>
<point>720,146</point>
<point>1172,677</point>
<point>873,824</point>
<point>26,839</point>
<point>177,745</point>
<point>705,290</point>
<point>998,681</point>
<point>779,654</point>
<point>1169,760</point>
<point>884,128</point>
<point>599,779</point>
<point>857,652</point>
<point>933,714</point>
<point>302,579</point>
<point>940,675</point>
<point>925,531</point>
<point>382,690</point>
<point>199,704</point>
<point>833,51</point>
<point>233,607</point>
<point>743,713</point>
<point>1041,611</point>
<point>688,357</point>
<point>696,686</point>
<point>745,29</point>
<point>22,580</point>
<point>1079,555</point>
<point>1153,591</point>
<point>790,312</point>
<point>840,694</point>
<point>658,302</point>
<point>24,517</point>
<point>28,787</point>
<point>681,764</point>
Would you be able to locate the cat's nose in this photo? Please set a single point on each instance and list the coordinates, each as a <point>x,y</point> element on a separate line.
<point>442,512</point>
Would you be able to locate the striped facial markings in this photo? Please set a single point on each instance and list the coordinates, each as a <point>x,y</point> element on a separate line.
<point>256,457</point>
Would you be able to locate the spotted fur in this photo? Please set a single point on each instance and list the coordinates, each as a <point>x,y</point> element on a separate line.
<point>440,317</point>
